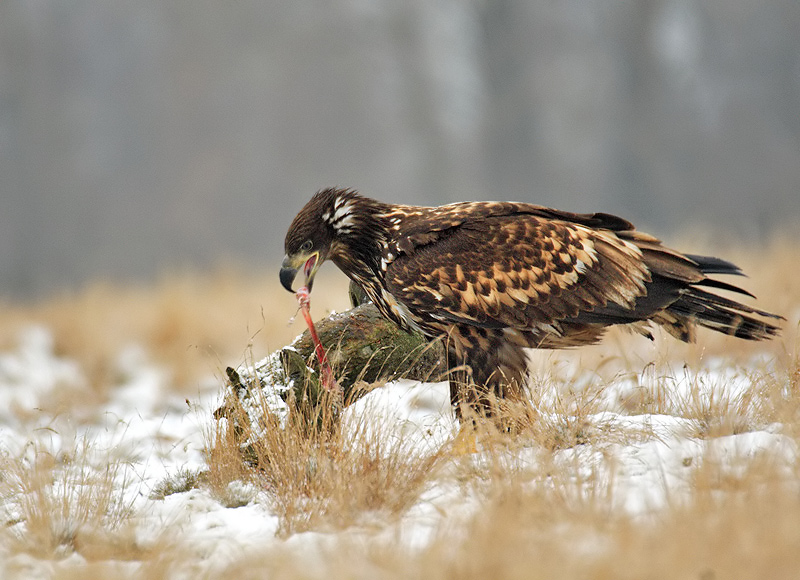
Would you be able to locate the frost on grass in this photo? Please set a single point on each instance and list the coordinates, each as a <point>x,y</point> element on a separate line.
<point>259,392</point>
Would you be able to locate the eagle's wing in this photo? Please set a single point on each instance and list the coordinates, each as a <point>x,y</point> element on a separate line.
<point>506,265</point>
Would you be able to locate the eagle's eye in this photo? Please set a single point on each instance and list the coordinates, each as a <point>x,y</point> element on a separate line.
<point>307,245</point>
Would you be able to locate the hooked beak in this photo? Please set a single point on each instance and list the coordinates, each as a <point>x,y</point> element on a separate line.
<point>290,266</point>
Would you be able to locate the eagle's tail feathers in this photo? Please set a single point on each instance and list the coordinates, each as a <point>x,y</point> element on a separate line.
<point>712,265</point>
<point>711,283</point>
<point>724,315</point>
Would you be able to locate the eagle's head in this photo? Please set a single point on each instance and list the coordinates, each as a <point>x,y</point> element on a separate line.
<point>317,233</point>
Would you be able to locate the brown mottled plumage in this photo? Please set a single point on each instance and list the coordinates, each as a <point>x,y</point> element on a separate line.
<point>494,278</point>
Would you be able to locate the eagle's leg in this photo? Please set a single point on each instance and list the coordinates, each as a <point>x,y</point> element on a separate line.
<point>463,398</point>
<point>487,379</point>
<point>477,396</point>
<point>481,406</point>
<point>470,400</point>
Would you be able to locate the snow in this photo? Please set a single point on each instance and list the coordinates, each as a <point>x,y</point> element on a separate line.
<point>156,434</point>
<point>418,413</point>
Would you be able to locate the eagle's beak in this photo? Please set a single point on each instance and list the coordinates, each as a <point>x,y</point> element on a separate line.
<point>288,274</point>
<point>289,271</point>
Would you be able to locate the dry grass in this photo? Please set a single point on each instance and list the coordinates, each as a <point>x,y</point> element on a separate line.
<point>320,478</point>
<point>541,517</point>
<point>67,502</point>
<point>557,532</point>
<point>739,527</point>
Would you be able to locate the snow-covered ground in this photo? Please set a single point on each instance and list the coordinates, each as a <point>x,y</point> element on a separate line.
<point>156,434</point>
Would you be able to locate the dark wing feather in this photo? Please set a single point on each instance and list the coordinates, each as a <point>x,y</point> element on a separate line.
<point>496,267</point>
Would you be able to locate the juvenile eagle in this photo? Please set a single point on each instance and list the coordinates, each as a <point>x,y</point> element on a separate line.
<point>494,278</point>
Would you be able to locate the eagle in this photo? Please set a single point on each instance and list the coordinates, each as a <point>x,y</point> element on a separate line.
<point>492,279</point>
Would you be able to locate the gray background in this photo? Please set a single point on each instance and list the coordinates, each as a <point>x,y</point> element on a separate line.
<point>137,136</point>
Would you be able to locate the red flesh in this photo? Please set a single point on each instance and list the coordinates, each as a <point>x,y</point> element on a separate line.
<point>328,381</point>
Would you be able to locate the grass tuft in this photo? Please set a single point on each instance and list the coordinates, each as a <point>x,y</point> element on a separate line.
<point>182,481</point>
<point>65,502</point>
<point>319,473</point>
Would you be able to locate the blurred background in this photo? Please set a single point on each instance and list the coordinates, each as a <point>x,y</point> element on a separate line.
<point>140,136</point>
